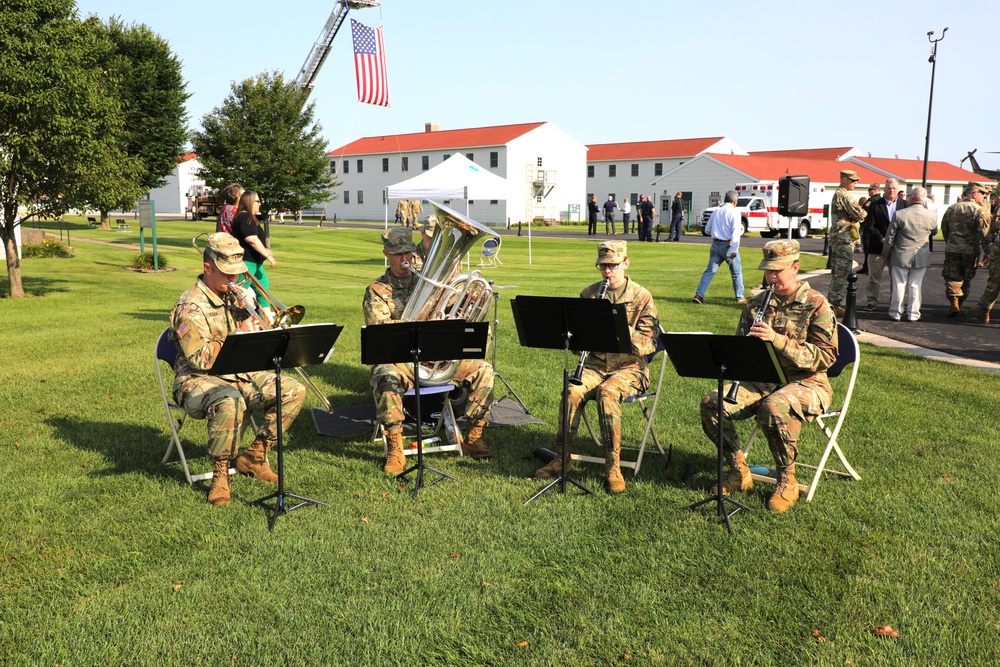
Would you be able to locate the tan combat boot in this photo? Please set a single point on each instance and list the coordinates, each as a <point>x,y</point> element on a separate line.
<point>395,460</point>
<point>955,306</point>
<point>253,461</point>
<point>613,473</point>
<point>838,310</point>
<point>739,478</point>
<point>981,314</point>
<point>787,491</point>
<point>219,493</point>
<point>474,445</point>
<point>554,467</point>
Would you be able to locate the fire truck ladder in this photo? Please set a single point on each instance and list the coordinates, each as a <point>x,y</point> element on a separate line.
<point>306,80</point>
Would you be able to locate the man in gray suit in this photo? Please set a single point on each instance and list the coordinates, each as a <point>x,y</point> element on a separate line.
<point>906,251</point>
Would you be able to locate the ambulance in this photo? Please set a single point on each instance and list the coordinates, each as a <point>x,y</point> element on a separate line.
<point>758,208</point>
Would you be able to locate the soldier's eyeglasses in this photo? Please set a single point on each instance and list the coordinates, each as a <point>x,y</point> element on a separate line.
<point>609,267</point>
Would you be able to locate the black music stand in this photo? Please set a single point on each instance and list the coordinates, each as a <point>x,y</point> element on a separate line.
<point>272,349</point>
<point>555,323</point>
<point>743,358</point>
<point>415,342</point>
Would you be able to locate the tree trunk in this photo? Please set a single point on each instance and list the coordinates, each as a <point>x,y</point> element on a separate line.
<point>105,220</point>
<point>13,263</point>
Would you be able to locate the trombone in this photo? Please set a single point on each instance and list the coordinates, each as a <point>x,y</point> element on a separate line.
<point>284,317</point>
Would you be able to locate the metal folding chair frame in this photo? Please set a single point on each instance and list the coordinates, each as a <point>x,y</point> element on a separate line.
<point>446,423</point>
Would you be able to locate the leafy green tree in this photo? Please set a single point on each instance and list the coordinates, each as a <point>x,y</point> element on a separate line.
<point>147,76</point>
<point>60,121</point>
<point>263,139</point>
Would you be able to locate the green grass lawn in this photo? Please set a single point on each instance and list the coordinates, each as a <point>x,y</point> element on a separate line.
<point>107,557</point>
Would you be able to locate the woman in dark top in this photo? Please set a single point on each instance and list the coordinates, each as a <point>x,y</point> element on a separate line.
<point>252,235</point>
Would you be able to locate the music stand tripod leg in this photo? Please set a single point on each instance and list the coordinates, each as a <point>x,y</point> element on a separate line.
<point>420,466</point>
<point>496,375</point>
<point>719,497</point>
<point>563,476</point>
<point>279,496</point>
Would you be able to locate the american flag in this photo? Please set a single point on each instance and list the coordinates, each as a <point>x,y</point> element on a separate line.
<point>369,64</point>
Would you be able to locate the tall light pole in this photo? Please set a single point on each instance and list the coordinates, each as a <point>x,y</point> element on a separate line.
<point>930,103</point>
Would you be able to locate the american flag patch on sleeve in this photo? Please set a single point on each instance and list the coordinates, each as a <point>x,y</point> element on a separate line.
<point>182,330</point>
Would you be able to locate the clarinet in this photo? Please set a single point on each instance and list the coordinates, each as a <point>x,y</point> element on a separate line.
<point>577,377</point>
<point>768,293</point>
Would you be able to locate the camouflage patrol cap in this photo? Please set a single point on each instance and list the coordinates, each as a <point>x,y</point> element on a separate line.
<point>611,252</point>
<point>398,240</point>
<point>976,187</point>
<point>851,174</point>
<point>227,253</point>
<point>430,225</point>
<point>779,255</point>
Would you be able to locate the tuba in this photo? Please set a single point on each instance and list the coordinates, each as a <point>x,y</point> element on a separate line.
<point>441,292</point>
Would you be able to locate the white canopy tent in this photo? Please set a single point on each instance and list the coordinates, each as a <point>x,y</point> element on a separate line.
<point>458,177</point>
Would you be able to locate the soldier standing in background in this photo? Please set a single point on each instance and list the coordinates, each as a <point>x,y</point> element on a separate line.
<point>846,215</point>
<point>416,208</point>
<point>964,227</point>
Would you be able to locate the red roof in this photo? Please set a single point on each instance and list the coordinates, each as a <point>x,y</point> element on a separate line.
<point>912,171</point>
<point>807,153</point>
<point>671,148</point>
<point>773,168</point>
<point>186,157</point>
<point>437,140</point>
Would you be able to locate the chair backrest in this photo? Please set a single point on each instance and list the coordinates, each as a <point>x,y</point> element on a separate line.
<point>165,350</point>
<point>491,244</point>
<point>847,352</point>
<point>659,346</point>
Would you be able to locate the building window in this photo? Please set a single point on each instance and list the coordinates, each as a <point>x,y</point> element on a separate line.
<point>361,166</point>
<point>385,196</point>
<point>494,202</point>
<point>347,166</point>
<point>494,159</point>
<point>425,162</point>
<point>635,170</point>
<point>472,202</point>
<point>347,196</point>
<point>471,156</point>
<point>539,161</point>
<point>385,164</point>
<point>406,163</point>
<point>538,199</point>
<point>361,196</point>
<point>590,171</point>
<point>446,156</point>
<point>612,170</point>
<point>633,197</point>
<point>658,169</point>
<point>611,194</point>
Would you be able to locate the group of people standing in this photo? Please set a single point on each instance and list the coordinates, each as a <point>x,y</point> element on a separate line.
<point>896,231</point>
<point>645,214</point>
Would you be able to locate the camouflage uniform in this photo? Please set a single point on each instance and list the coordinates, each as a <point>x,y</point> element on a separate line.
<point>992,290</point>
<point>965,228</point>
<point>846,215</point>
<point>384,302</point>
<point>611,377</point>
<point>806,343</point>
<point>416,208</point>
<point>200,322</point>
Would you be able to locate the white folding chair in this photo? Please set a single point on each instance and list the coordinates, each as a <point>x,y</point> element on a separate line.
<point>166,353</point>
<point>446,430</point>
<point>489,255</point>
<point>647,403</point>
<point>848,354</point>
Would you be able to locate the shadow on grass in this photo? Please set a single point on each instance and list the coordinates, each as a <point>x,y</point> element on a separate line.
<point>125,448</point>
<point>35,286</point>
<point>157,315</point>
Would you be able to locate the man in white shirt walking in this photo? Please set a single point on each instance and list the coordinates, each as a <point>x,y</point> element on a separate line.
<point>725,227</point>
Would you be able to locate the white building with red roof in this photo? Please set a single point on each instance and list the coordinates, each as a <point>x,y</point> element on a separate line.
<point>174,196</point>
<point>630,169</point>
<point>543,165</point>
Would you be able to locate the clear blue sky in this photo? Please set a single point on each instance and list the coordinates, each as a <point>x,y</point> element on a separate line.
<point>768,74</point>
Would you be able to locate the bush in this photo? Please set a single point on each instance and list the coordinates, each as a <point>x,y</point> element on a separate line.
<point>47,248</point>
<point>144,260</point>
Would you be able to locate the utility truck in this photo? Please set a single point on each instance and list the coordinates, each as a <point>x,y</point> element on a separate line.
<point>758,208</point>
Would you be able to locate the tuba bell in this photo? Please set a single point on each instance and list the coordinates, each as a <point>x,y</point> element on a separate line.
<point>442,293</point>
